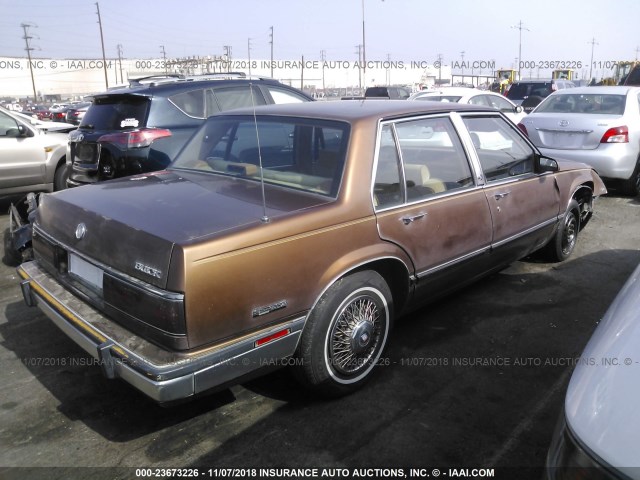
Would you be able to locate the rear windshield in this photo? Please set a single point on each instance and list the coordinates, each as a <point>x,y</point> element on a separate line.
<point>116,113</point>
<point>440,98</point>
<point>634,77</point>
<point>603,104</point>
<point>295,153</point>
<point>520,91</point>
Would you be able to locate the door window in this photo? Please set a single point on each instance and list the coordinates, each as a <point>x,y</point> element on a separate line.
<point>502,152</point>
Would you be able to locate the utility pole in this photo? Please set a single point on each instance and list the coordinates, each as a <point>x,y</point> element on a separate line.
<point>364,56</point>
<point>462,67</point>
<point>104,58</point>
<point>271,42</point>
<point>164,58</point>
<point>593,43</point>
<point>249,53</point>
<point>520,27</point>
<point>323,56</point>
<point>28,48</point>
<point>439,70</point>
<point>227,53</point>
<point>388,79</point>
<point>359,47</point>
<point>120,62</point>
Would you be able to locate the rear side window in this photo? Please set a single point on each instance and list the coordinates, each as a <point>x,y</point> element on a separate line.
<point>191,103</point>
<point>116,113</point>
<point>228,98</point>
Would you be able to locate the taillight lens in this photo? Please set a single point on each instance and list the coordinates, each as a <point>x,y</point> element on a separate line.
<point>616,135</point>
<point>523,129</point>
<point>135,138</point>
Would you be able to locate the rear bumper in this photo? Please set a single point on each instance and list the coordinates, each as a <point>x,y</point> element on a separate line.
<point>161,374</point>
<point>614,161</point>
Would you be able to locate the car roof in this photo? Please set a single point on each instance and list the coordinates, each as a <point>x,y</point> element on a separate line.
<point>457,91</point>
<point>353,110</point>
<point>613,90</point>
<point>184,84</point>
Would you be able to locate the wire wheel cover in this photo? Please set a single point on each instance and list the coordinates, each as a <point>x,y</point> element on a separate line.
<point>356,335</point>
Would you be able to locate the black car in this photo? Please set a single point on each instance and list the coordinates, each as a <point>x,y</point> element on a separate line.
<point>75,113</point>
<point>529,93</point>
<point>140,128</point>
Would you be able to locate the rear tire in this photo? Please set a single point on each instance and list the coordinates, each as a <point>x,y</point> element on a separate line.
<point>345,335</point>
<point>632,185</point>
<point>561,246</point>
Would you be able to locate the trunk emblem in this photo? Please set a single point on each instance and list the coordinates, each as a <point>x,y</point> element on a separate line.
<point>81,229</point>
<point>563,123</point>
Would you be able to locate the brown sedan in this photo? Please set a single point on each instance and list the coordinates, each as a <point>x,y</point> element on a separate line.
<point>296,231</point>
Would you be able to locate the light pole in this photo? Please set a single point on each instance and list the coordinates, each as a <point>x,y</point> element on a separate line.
<point>520,27</point>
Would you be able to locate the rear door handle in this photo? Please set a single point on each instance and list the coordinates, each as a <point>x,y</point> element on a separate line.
<point>407,220</point>
<point>500,195</point>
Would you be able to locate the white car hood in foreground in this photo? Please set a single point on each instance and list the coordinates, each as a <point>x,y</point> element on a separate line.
<point>603,401</point>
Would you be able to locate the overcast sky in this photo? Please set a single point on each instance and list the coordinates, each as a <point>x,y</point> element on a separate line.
<point>408,30</point>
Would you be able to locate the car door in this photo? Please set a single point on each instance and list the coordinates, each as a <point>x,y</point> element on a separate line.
<point>427,202</point>
<point>524,204</point>
<point>22,157</point>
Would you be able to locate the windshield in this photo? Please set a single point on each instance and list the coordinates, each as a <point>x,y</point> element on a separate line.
<point>584,103</point>
<point>298,153</point>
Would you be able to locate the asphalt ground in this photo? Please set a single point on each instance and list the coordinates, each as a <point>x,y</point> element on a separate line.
<point>474,381</point>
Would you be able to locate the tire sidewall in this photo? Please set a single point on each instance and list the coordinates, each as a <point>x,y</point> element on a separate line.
<point>572,212</point>
<point>320,373</point>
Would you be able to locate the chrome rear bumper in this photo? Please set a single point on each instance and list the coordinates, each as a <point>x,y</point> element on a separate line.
<point>161,374</point>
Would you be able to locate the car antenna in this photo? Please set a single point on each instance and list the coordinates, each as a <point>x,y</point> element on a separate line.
<point>265,218</point>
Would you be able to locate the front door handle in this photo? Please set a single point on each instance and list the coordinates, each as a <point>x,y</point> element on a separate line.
<point>407,220</point>
<point>500,195</point>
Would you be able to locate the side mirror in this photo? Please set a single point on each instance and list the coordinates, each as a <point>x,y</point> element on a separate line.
<point>547,164</point>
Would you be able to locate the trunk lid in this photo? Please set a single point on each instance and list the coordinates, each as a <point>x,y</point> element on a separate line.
<point>569,132</point>
<point>132,224</point>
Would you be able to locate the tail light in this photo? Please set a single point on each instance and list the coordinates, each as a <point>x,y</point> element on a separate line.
<point>523,129</point>
<point>135,138</point>
<point>616,135</point>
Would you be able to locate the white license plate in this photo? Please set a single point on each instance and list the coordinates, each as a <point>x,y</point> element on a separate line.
<point>85,271</point>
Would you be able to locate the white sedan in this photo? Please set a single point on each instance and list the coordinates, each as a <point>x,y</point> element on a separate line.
<point>473,96</point>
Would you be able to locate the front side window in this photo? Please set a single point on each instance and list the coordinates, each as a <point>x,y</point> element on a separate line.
<point>8,126</point>
<point>302,154</point>
<point>502,152</point>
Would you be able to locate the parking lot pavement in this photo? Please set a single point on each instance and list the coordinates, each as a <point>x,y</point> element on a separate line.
<point>475,380</point>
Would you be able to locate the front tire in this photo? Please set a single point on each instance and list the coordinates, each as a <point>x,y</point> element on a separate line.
<point>563,243</point>
<point>60,177</point>
<point>345,335</point>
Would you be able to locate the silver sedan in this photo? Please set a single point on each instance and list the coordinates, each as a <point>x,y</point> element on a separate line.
<point>599,126</point>
<point>599,428</point>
